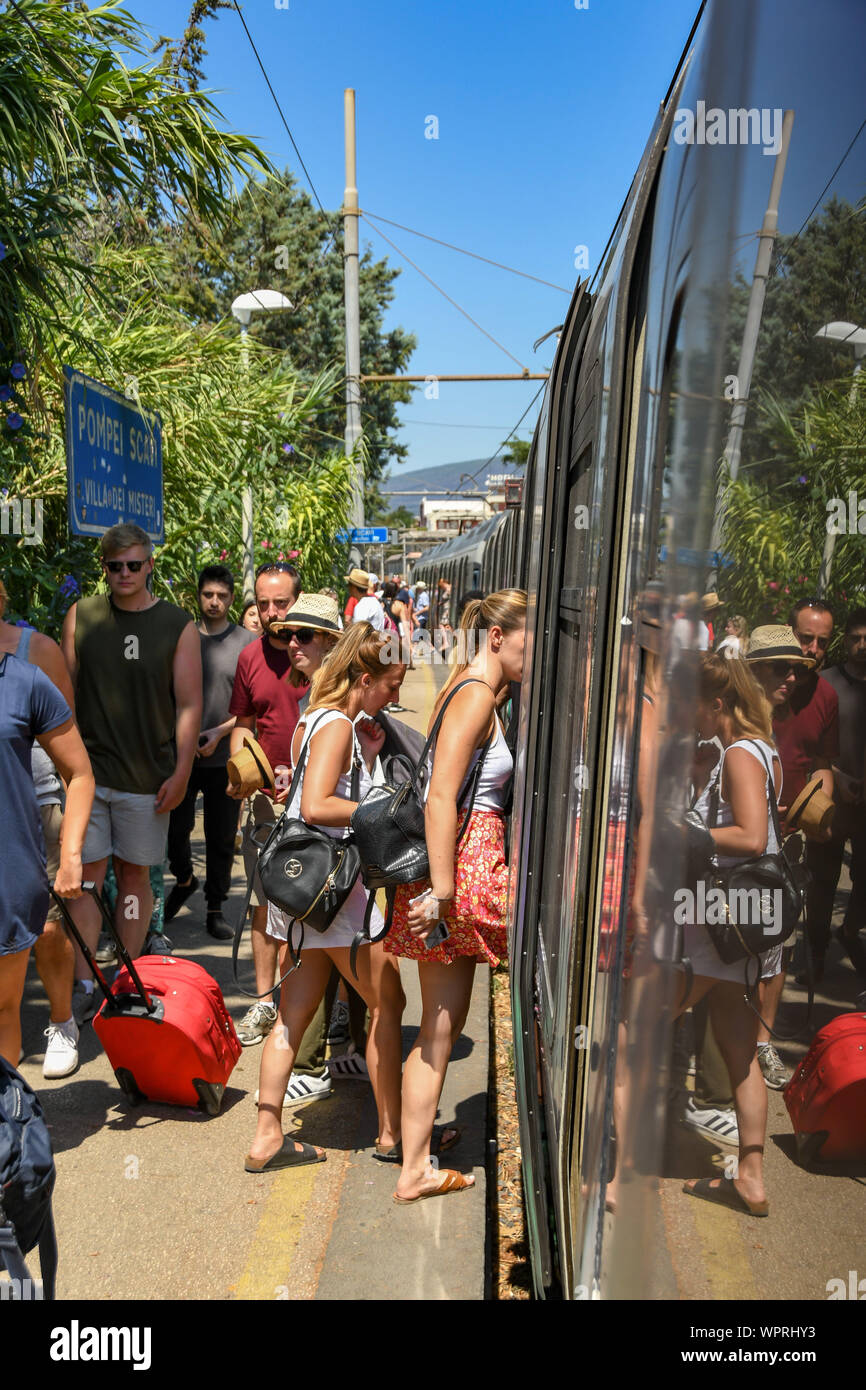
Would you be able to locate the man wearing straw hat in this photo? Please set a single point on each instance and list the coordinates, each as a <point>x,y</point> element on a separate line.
<point>265,701</point>
<point>806,728</point>
<point>358,582</point>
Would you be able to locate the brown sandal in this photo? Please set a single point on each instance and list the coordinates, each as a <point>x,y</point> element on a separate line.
<point>452,1181</point>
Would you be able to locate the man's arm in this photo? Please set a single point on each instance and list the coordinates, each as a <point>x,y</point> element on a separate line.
<point>45,653</point>
<point>186,679</point>
<point>67,645</point>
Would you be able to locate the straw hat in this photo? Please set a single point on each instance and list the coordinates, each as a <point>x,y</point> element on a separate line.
<point>710,602</point>
<point>812,811</point>
<point>249,768</point>
<point>776,643</point>
<point>360,578</point>
<point>316,611</point>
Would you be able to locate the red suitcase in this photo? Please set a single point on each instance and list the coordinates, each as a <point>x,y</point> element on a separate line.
<point>826,1096</point>
<point>164,1026</point>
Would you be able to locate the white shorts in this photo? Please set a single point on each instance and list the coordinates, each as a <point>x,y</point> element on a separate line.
<point>341,933</point>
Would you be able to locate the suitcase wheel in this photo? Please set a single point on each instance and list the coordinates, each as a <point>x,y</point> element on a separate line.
<point>126,1081</point>
<point>210,1095</point>
<point>809,1146</point>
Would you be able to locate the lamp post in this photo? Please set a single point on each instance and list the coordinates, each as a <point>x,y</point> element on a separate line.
<point>840,332</point>
<point>243,309</point>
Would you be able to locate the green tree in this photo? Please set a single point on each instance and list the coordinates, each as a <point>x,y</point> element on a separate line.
<point>815,278</point>
<point>277,239</point>
<point>516,452</point>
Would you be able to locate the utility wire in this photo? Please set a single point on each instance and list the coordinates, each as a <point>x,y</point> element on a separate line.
<point>451,301</point>
<point>463,252</point>
<point>833,175</point>
<point>484,466</point>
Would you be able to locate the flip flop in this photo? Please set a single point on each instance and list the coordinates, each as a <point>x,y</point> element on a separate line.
<point>438,1144</point>
<point>726,1195</point>
<point>286,1157</point>
<point>451,1182</point>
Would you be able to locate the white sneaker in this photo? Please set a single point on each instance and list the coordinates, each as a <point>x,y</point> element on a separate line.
<point>720,1125</point>
<point>302,1089</point>
<point>352,1066</point>
<point>61,1052</point>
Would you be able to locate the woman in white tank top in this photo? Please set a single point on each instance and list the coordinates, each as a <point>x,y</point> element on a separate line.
<point>468,884</point>
<point>732,708</point>
<point>353,681</point>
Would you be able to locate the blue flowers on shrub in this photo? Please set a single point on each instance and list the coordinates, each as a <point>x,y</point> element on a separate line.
<point>14,421</point>
<point>70,586</point>
<point>18,371</point>
<point>288,448</point>
<point>22,622</point>
<point>5,393</point>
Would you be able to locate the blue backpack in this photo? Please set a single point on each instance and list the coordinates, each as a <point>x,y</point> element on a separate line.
<point>27,1177</point>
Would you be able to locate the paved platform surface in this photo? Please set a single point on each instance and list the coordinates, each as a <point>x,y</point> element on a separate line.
<point>154,1203</point>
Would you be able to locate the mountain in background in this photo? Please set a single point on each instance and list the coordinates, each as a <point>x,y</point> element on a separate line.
<point>441,482</point>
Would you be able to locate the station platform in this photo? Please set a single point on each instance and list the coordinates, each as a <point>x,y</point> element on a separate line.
<point>153,1203</point>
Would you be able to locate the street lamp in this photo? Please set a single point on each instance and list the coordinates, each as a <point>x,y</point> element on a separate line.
<point>243,308</point>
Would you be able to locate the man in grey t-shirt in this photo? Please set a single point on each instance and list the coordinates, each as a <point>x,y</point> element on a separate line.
<point>221,644</point>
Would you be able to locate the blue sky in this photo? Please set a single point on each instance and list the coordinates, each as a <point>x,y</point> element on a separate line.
<point>543,112</point>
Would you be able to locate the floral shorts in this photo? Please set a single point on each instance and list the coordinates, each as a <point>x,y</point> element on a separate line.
<point>476,919</point>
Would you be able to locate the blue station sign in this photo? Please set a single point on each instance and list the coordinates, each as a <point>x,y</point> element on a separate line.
<point>365,535</point>
<point>113,460</point>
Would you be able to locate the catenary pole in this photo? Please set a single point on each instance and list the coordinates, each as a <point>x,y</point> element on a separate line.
<point>353,316</point>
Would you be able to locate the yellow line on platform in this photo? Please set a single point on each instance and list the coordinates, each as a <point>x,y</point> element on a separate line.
<point>266,1275</point>
<point>726,1261</point>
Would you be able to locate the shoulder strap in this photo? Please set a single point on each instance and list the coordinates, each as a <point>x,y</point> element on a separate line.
<point>470,680</point>
<point>23,648</point>
<point>771,790</point>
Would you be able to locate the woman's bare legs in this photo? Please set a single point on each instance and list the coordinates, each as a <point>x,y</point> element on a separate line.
<point>13,969</point>
<point>300,996</point>
<point>736,1030</point>
<point>446,991</point>
<point>378,984</point>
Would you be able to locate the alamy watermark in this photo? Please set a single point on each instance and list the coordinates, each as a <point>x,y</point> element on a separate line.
<point>752,907</point>
<point>738,126</point>
<point>22,516</point>
<point>846,517</point>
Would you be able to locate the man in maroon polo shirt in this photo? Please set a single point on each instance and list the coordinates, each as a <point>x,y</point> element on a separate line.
<point>806,729</point>
<point>267,692</point>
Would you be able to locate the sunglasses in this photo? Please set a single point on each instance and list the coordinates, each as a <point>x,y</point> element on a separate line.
<point>782,668</point>
<point>281,565</point>
<point>118,566</point>
<point>300,634</point>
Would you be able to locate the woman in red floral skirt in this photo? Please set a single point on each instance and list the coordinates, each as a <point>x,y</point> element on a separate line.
<point>468,884</point>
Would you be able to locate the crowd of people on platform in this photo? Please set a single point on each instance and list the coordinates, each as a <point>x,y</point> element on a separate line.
<point>776,724</point>
<point>141,709</point>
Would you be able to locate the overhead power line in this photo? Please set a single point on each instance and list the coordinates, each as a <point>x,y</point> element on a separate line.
<point>473,476</point>
<point>463,252</point>
<point>833,175</point>
<point>451,301</point>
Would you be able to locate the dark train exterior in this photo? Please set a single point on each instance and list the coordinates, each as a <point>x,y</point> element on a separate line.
<point>616,526</point>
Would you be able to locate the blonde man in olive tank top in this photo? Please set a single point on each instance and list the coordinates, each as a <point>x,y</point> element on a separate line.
<point>135,662</point>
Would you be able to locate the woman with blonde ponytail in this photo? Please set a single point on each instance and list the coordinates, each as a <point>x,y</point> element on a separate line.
<point>735,805</point>
<point>355,681</point>
<point>467,889</point>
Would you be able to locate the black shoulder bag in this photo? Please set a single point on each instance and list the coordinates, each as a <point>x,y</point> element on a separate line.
<point>303,870</point>
<point>388,826</point>
<point>762,901</point>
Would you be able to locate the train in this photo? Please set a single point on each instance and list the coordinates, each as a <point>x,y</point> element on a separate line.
<point>617,529</point>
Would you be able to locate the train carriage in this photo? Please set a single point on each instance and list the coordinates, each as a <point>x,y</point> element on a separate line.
<point>619,518</point>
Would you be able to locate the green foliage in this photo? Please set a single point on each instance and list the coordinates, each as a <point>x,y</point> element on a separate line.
<point>516,453</point>
<point>224,422</point>
<point>277,239</point>
<point>815,278</point>
<point>776,523</point>
<point>79,128</point>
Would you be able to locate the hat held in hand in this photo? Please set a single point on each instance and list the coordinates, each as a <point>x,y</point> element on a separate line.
<point>812,811</point>
<point>249,768</point>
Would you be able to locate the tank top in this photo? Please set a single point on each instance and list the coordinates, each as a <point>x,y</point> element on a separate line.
<point>124,697</point>
<point>493,780</point>
<point>725,815</point>
<point>316,721</point>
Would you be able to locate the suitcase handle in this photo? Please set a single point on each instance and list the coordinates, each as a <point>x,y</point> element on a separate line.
<point>90,888</point>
